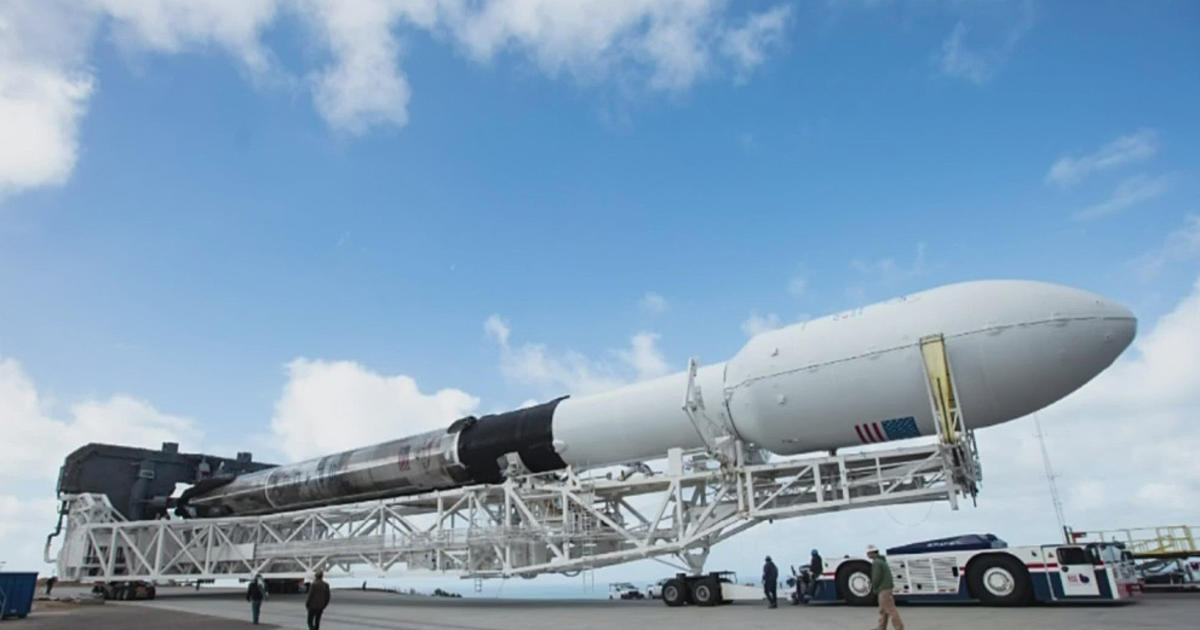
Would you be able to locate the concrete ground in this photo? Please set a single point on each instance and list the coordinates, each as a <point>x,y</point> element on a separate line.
<point>358,609</point>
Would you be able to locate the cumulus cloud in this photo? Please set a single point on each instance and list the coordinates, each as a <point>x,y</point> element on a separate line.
<point>44,91</point>
<point>1130,192</point>
<point>670,42</point>
<point>36,440</point>
<point>756,324</point>
<point>1135,147</point>
<point>328,406</point>
<point>554,373</point>
<point>232,26</point>
<point>46,81</point>
<point>653,303</point>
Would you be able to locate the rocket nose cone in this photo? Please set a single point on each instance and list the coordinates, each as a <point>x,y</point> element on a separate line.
<point>1121,326</point>
<point>1060,340</point>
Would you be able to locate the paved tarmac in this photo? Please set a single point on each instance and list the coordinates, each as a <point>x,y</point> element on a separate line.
<point>375,610</point>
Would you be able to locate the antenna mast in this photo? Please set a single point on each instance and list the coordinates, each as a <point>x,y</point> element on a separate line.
<point>1050,477</point>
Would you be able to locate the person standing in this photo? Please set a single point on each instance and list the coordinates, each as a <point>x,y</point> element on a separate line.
<point>318,599</point>
<point>256,592</point>
<point>50,582</point>
<point>881,586</point>
<point>770,580</point>
<point>816,566</point>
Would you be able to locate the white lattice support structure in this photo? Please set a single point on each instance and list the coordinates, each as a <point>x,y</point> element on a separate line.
<point>549,523</point>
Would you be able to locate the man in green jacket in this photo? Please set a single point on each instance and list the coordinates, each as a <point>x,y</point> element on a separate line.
<point>881,586</point>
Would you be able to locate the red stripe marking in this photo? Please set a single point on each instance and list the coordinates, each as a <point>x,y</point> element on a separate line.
<point>861,437</point>
<point>878,432</point>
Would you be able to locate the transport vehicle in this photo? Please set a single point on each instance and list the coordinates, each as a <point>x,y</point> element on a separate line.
<point>983,568</point>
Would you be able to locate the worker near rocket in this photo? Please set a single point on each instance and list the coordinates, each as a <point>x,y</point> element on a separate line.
<point>770,580</point>
<point>857,377</point>
<point>881,587</point>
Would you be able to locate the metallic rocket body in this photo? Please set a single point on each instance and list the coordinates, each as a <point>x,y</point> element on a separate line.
<point>1015,347</point>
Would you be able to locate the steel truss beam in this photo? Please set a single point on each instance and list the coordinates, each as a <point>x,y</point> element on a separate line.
<point>549,523</point>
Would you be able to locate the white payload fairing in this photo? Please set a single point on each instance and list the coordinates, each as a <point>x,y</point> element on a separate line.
<point>846,379</point>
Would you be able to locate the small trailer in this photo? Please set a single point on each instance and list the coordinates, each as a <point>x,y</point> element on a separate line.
<point>711,589</point>
<point>984,569</point>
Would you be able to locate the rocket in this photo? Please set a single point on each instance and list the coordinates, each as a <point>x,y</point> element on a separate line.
<point>842,380</point>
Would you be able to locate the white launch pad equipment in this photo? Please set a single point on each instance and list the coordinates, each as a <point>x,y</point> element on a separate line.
<point>524,527</point>
<point>560,522</point>
<point>863,377</point>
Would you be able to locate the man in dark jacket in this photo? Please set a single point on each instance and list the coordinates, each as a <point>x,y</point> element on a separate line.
<point>770,581</point>
<point>255,594</point>
<point>318,599</point>
<point>816,566</point>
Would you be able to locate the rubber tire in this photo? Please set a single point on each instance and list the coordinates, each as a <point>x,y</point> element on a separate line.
<point>675,593</point>
<point>1022,589</point>
<point>706,592</point>
<point>843,583</point>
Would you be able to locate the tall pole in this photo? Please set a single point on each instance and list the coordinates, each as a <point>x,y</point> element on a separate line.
<point>1050,477</point>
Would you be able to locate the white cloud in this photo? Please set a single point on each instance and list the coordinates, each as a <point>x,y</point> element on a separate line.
<point>234,26</point>
<point>798,285</point>
<point>644,356</point>
<point>975,53</point>
<point>756,324</point>
<point>46,81</point>
<point>36,441</point>
<point>497,329</point>
<point>748,44</point>
<point>328,406</point>
<point>1181,245</point>
<point>959,61</point>
<point>888,270</point>
<point>24,524</point>
<point>1130,192</point>
<point>554,373</point>
<point>1135,147</point>
<point>668,41</point>
<point>653,303</point>
<point>44,91</point>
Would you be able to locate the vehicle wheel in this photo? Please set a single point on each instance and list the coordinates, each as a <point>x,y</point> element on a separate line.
<point>151,593</point>
<point>854,583</point>
<point>674,593</point>
<point>706,592</point>
<point>998,581</point>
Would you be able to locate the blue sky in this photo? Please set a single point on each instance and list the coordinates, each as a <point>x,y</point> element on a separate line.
<point>205,213</point>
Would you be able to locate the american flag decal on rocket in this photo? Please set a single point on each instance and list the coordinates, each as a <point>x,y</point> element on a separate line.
<point>894,429</point>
